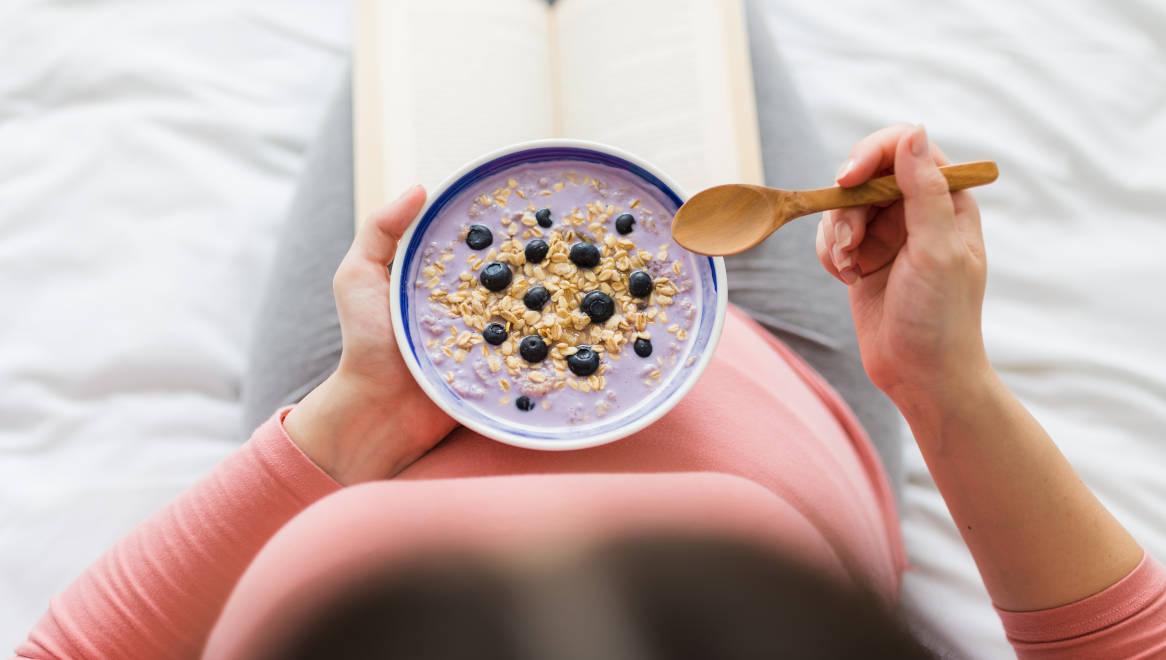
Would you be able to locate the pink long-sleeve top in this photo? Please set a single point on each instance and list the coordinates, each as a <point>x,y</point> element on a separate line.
<point>761,448</point>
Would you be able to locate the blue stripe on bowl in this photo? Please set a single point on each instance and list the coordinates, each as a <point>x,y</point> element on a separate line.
<point>539,155</point>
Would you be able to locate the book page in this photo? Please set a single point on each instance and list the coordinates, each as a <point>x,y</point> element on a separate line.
<point>441,83</point>
<point>667,80</point>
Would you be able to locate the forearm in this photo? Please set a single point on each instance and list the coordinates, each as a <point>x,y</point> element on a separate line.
<point>1038,534</point>
<point>158,592</point>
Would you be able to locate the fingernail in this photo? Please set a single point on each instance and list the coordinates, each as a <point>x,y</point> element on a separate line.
<point>842,234</point>
<point>841,260</point>
<point>844,169</point>
<point>848,275</point>
<point>407,192</point>
<point>918,142</point>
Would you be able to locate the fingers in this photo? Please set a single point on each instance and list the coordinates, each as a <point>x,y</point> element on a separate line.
<point>875,153</point>
<point>929,213</point>
<point>823,246</point>
<point>376,241</point>
<point>375,244</point>
<point>873,247</point>
<point>849,231</point>
<point>885,236</point>
<point>967,220</point>
<point>856,242</point>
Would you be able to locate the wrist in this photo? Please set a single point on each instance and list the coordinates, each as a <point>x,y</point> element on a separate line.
<point>352,434</point>
<point>929,404</point>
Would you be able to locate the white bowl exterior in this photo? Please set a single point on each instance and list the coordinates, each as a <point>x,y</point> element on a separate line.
<point>439,396</point>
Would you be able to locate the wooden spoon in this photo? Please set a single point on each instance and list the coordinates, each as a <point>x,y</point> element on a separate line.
<point>732,218</point>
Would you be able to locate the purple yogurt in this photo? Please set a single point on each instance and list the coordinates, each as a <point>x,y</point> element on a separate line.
<point>453,307</point>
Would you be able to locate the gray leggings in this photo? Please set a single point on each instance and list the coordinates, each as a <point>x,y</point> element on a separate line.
<point>296,342</point>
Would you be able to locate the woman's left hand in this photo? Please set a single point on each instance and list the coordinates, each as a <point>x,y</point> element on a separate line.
<point>369,420</point>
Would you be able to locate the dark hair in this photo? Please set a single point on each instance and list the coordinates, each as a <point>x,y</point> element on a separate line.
<point>653,598</point>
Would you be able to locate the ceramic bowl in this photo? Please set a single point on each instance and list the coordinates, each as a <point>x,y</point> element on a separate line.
<point>406,300</point>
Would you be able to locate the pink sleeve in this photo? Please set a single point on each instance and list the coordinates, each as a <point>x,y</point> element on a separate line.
<point>158,592</point>
<point>1127,620</point>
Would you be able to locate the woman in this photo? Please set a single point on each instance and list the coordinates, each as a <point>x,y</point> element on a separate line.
<point>332,521</point>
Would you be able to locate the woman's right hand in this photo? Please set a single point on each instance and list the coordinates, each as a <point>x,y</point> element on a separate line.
<point>916,269</point>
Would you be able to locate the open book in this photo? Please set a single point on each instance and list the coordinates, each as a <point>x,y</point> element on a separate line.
<point>439,82</point>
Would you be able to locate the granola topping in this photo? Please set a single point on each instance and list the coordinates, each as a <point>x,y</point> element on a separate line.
<point>552,308</point>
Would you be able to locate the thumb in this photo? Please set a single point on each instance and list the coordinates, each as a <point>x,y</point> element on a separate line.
<point>928,209</point>
<point>377,239</point>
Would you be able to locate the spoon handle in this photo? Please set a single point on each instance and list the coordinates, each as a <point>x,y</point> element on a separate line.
<point>886,189</point>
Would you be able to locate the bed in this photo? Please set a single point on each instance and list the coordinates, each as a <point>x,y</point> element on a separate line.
<point>148,152</point>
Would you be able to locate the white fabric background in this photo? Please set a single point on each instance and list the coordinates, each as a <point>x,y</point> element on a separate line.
<point>147,152</point>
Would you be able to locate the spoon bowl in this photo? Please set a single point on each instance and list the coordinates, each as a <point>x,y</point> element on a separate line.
<point>732,218</point>
<point>722,219</point>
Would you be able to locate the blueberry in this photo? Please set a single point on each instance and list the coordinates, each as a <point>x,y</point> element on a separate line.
<point>524,403</point>
<point>494,334</point>
<point>536,251</point>
<point>584,362</point>
<point>536,298</point>
<point>479,237</point>
<point>532,348</point>
<point>623,224</point>
<point>544,217</point>
<point>584,255</point>
<point>642,347</point>
<point>496,276</point>
<point>640,284</point>
<point>598,305</point>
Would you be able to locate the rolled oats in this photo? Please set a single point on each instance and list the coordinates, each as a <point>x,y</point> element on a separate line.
<point>561,324</point>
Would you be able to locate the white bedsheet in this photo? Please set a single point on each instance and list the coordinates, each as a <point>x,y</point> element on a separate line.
<point>147,152</point>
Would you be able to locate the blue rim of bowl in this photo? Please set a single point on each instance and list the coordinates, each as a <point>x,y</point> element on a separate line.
<point>493,166</point>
